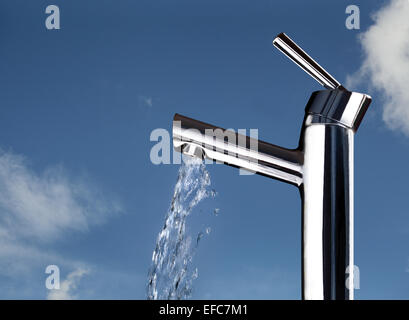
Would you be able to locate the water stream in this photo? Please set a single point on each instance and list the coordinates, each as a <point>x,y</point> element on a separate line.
<point>171,274</point>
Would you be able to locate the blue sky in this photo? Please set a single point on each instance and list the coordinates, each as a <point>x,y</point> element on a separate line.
<point>77,106</point>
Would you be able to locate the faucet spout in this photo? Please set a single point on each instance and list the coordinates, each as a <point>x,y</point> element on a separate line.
<point>199,139</point>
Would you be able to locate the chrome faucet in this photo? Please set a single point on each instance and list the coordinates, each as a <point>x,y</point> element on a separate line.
<point>321,167</point>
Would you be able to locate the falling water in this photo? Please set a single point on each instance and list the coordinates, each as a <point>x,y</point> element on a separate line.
<point>170,276</point>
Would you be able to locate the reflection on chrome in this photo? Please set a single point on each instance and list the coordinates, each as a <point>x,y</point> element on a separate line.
<point>321,167</point>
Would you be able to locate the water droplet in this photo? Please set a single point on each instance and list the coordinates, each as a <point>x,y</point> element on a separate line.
<point>199,236</point>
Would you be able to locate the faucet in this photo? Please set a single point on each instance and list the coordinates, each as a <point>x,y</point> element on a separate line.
<point>322,167</point>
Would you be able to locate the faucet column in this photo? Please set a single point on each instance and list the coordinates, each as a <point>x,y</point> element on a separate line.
<point>327,140</point>
<point>328,213</point>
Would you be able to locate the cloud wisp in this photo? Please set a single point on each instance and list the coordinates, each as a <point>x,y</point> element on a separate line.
<point>68,286</point>
<point>386,62</point>
<point>146,101</point>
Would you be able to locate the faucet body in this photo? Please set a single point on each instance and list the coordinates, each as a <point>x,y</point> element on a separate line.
<point>322,167</point>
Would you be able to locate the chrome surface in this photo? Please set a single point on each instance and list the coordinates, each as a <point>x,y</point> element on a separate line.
<point>304,61</point>
<point>338,106</point>
<point>327,201</point>
<point>209,142</point>
<point>321,167</point>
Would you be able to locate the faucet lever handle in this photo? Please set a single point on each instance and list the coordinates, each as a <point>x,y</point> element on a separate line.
<point>305,62</point>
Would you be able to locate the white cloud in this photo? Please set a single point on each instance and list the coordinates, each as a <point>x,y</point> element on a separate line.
<point>42,206</point>
<point>386,62</point>
<point>68,286</point>
<point>37,209</point>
